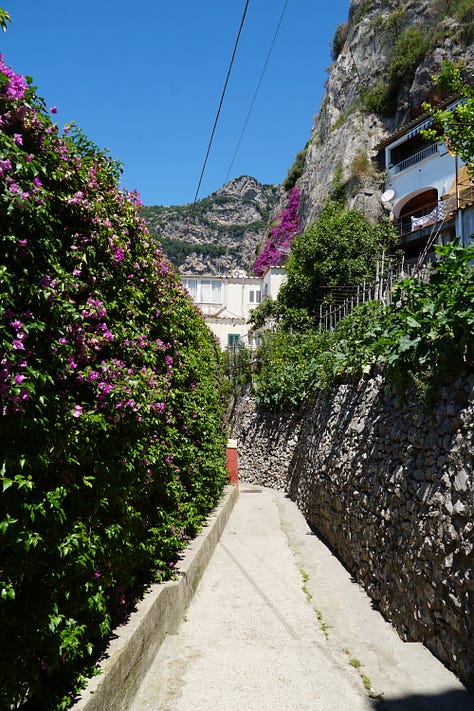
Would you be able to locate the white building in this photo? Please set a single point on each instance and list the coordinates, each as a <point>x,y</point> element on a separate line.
<point>227,302</point>
<point>427,189</point>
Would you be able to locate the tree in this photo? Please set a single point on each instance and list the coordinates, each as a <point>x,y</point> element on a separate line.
<point>340,248</point>
<point>455,126</point>
<point>4,19</point>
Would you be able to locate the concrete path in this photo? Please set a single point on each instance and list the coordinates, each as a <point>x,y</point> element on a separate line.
<point>277,624</point>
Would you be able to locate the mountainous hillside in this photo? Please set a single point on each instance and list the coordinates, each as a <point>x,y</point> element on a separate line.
<point>384,58</point>
<point>220,233</point>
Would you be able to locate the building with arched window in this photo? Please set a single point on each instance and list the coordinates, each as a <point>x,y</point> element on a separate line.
<point>428,191</point>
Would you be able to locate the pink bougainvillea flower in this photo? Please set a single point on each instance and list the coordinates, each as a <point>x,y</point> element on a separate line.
<point>54,109</point>
<point>77,412</point>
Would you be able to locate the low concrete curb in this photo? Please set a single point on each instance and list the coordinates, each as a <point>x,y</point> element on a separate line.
<point>135,645</point>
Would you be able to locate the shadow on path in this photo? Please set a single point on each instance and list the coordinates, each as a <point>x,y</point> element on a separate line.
<point>447,701</point>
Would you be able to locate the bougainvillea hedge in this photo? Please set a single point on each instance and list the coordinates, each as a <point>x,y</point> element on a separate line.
<point>112,444</point>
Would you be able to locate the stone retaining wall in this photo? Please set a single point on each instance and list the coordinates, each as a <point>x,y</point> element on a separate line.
<point>389,484</point>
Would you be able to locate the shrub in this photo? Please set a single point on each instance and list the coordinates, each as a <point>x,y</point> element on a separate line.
<point>296,170</point>
<point>403,61</point>
<point>111,439</point>
<point>362,166</point>
<point>424,337</point>
<point>339,249</point>
<point>339,40</point>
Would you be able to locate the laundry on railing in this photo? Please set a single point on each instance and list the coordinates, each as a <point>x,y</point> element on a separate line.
<point>434,216</point>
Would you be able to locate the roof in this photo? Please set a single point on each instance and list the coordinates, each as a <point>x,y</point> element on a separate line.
<point>416,125</point>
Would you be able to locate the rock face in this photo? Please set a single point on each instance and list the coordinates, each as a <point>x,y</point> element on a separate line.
<point>220,233</point>
<point>384,60</point>
<point>389,484</point>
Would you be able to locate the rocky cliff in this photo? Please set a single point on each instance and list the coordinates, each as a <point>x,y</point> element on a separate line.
<point>384,58</point>
<point>218,234</point>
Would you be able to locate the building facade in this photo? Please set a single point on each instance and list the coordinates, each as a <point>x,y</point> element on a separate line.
<point>428,191</point>
<point>227,302</point>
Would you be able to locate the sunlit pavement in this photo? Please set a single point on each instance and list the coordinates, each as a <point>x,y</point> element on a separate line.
<point>277,623</point>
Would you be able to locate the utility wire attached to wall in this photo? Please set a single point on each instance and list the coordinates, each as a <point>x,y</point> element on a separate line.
<point>257,89</point>
<point>221,100</point>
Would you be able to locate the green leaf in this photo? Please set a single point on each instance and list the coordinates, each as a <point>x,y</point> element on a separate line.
<point>6,483</point>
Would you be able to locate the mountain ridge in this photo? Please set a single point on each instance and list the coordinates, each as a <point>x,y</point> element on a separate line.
<point>220,233</point>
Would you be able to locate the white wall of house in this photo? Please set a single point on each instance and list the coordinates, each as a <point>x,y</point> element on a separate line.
<point>415,169</point>
<point>227,302</point>
<point>272,281</point>
<point>433,170</point>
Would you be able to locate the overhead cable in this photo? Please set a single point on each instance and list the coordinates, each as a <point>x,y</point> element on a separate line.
<point>221,100</point>
<point>257,89</point>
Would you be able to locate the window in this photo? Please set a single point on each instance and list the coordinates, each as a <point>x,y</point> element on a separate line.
<point>210,292</point>
<point>255,296</point>
<point>205,291</point>
<point>191,286</point>
<point>233,340</point>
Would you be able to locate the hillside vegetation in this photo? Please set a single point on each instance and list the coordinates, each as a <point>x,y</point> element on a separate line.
<point>219,233</point>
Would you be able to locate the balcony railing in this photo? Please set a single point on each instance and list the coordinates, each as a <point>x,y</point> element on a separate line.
<point>440,211</point>
<point>415,158</point>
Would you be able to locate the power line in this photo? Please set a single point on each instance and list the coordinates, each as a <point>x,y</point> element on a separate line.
<point>257,89</point>
<point>222,99</point>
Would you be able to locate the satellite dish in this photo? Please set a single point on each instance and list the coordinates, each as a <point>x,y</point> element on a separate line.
<point>388,196</point>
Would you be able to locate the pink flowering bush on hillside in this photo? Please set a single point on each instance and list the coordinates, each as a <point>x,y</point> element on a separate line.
<point>276,248</point>
<point>111,438</point>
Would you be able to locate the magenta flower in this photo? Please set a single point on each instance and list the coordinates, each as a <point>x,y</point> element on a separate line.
<point>54,110</point>
<point>77,412</point>
<point>18,139</point>
<point>278,244</point>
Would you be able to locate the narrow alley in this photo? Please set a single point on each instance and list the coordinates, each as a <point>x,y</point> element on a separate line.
<point>277,623</point>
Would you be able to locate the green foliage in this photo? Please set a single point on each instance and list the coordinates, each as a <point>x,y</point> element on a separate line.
<point>433,330</point>
<point>237,369</point>
<point>177,250</point>
<point>426,335</point>
<point>265,310</point>
<point>463,12</point>
<point>339,39</point>
<point>362,11</point>
<point>408,50</point>
<point>112,439</point>
<point>340,248</point>
<point>456,127</point>
<point>362,166</point>
<point>4,19</point>
<point>296,170</point>
<point>291,368</point>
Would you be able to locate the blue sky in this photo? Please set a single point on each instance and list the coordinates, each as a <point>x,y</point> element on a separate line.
<point>144,80</point>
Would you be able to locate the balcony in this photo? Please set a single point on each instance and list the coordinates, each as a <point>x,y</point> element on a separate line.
<point>440,211</point>
<point>414,159</point>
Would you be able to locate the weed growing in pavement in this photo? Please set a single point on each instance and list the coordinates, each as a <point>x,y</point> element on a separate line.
<point>354,662</point>
<point>323,626</point>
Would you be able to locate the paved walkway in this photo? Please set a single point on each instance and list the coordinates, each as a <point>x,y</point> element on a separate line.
<point>277,624</point>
